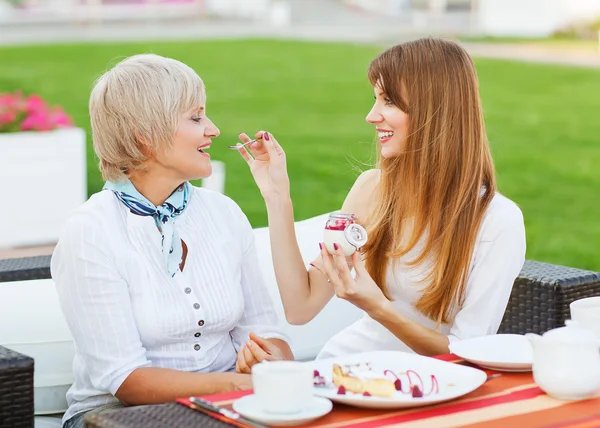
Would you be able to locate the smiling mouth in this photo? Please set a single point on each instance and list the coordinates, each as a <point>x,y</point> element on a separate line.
<point>202,149</point>
<point>385,135</point>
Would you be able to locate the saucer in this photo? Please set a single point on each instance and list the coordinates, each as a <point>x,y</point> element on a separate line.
<point>315,408</point>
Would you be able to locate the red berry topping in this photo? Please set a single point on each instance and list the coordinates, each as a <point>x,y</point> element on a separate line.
<point>319,381</point>
<point>366,394</point>
<point>416,392</point>
<point>316,373</point>
<point>341,390</point>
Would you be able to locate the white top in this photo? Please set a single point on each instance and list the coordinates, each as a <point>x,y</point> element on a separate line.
<point>498,258</point>
<point>125,311</point>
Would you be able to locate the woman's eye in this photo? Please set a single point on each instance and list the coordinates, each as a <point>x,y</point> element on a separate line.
<point>388,102</point>
<point>196,119</point>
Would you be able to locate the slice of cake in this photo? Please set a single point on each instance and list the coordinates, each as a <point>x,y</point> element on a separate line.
<point>360,379</point>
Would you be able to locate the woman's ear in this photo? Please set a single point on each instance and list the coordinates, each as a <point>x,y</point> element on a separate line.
<point>144,146</point>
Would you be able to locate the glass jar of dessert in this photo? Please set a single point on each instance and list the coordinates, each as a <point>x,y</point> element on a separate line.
<point>341,228</point>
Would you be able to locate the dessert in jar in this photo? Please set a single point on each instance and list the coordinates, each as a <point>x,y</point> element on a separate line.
<point>342,229</point>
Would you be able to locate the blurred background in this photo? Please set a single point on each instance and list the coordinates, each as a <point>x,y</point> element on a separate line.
<point>298,69</point>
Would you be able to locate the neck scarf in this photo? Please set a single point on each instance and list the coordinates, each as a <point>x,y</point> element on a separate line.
<point>164,216</point>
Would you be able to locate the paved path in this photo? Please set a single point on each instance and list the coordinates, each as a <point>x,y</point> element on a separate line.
<point>535,53</point>
<point>369,32</point>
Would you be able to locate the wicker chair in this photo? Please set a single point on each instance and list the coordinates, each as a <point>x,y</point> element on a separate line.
<point>16,390</point>
<point>23,269</point>
<point>541,296</point>
<point>157,416</point>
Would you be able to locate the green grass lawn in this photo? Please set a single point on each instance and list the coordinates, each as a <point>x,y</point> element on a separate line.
<point>543,124</point>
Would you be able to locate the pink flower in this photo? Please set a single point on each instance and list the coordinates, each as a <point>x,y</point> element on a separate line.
<point>7,117</point>
<point>32,113</point>
<point>37,121</point>
<point>9,101</point>
<point>35,103</point>
<point>60,118</point>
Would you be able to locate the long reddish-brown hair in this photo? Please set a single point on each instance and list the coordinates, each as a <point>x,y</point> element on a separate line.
<point>440,186</point>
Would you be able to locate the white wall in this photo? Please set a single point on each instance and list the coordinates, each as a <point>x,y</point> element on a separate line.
<point>274,12</point>
<point>532,18</point>
<point>582,9</point>
<point>509,18</point>
<point>237,8</point>
<point>386,7</point>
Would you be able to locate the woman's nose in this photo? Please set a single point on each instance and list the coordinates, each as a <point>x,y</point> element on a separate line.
<point>373,116</point>
<point>212,130</point>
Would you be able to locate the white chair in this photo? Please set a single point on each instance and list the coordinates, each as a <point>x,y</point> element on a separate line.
<point>31,322</point>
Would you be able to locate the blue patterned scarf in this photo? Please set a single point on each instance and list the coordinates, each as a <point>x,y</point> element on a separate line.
<point>164,216</point>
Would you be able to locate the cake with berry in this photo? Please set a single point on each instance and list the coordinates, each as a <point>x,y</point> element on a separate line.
<point>361,379</point>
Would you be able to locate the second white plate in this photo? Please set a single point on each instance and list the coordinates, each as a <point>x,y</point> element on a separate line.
<point>502,352</point>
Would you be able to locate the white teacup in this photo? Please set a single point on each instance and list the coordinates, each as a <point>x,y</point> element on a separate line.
<point>282,387</point>
<point>586,313</point>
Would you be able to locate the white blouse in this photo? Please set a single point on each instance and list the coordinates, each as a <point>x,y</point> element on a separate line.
<point>125,311</point>
<point>497,260</point>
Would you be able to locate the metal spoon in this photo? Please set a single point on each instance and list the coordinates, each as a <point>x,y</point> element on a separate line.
<point>236,147</point>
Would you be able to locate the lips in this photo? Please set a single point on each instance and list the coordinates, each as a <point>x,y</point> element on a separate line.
<point>384,135</point>
<point>204,147</point>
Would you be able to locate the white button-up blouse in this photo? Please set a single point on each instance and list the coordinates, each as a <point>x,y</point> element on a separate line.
<point>125,311</point>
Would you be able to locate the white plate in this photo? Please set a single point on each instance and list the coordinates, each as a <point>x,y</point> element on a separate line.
<point>503,352</point>
<point>454,380</point>
<point>248,407</point>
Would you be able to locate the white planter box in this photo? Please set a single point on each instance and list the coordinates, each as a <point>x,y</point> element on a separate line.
<point>42,179</point>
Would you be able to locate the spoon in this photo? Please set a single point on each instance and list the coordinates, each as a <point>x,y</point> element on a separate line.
<point>237,147</point>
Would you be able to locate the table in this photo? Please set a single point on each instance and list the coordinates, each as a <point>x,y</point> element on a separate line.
<point>511,400</point>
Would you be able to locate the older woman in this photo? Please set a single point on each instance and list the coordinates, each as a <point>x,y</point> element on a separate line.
<point>158,279</point>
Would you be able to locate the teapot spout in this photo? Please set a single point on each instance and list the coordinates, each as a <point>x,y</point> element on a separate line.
<point>534,339</point>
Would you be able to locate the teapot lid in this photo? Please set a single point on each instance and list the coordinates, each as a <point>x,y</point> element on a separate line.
<point>572,333</point>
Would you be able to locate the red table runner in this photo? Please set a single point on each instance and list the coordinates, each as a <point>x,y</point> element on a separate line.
<point>511,400</point>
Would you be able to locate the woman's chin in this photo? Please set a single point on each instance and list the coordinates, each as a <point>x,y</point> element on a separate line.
<point>388,152</point>
<point>200,173</point>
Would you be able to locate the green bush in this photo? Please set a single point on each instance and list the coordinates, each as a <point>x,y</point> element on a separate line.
<point>587,30</point>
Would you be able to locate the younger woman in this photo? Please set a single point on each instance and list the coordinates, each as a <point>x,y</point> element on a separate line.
<point>444,247</point>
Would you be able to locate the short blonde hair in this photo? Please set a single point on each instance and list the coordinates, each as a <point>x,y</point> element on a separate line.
<point>135,109</point>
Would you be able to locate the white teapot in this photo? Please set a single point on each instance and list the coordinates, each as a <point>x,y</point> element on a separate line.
<point>566,362</point>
